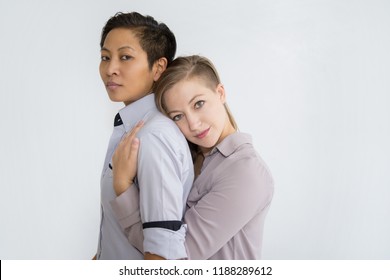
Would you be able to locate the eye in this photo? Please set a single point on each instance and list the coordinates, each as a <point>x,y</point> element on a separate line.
<point>177,118</point>
<point>104,58</point>
<point>126,57</point>
<point>199,104</point>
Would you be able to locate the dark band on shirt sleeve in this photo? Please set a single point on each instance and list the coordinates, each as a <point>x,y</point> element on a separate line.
<point>172,225</point>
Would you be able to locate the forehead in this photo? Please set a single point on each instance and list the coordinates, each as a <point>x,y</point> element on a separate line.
<point>189,85</point>
<point>184,91</point>
<point>119,37</point>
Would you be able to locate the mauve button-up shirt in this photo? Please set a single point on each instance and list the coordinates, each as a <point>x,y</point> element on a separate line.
<point>228,202</point>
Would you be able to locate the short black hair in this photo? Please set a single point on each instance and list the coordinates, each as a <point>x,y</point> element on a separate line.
<point>156,39</point>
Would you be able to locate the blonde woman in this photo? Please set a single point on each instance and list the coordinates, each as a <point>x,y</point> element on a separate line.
<point>233,188</point>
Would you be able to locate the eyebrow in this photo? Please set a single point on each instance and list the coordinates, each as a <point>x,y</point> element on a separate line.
<point>189,102</point>
<point>192,99</point>
<point>121,48</point>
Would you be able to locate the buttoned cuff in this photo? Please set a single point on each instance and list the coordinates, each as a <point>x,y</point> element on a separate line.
<point>126,207</point>
<point>166,243</point>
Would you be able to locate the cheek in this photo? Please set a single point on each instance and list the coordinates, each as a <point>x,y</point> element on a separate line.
<point>101,71</point>
<point>220,115</point>
<point>183,128</point>
<point>143,78</point>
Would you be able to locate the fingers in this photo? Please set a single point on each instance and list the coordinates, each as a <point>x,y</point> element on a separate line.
<point>135,130</point>
<point>129,136</point>
<point>124,163</point>
<point>126,147</point>
<point>131,143</point>
<point>135,144</point>
<point>133,155</point>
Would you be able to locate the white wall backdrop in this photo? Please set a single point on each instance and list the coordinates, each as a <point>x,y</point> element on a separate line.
<point>309,79</point>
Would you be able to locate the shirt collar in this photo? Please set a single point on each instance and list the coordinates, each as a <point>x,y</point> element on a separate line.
<point>136,111</point>
<point>231,143</point>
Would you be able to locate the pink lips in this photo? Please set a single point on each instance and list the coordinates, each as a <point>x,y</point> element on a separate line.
<point>203,134</point>
<point>112,85</point>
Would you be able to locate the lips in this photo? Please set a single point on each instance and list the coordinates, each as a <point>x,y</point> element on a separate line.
<point>112,85</point>
<point>203,134</point>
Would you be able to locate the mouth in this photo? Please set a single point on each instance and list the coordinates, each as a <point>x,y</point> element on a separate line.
<point>112,85</point>
<point>203,134</point>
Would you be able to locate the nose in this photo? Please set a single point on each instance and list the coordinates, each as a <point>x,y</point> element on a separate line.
<point>193,122</point>
<point>112,68</point>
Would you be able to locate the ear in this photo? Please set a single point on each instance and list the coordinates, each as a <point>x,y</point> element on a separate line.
<point>159,67</point>
<point>221,93</point>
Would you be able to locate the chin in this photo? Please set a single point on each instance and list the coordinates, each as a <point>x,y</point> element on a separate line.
<point>115,98</point>
<point>206,146</point>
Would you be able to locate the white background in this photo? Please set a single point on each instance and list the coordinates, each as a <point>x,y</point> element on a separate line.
<point>309,79</point>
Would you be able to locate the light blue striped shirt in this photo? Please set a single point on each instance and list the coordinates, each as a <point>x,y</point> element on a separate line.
<point>164,178</point>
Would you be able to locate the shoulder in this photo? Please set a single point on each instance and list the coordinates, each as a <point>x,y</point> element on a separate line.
<point>245,165</point>
<point>159,126</point>
<point>160,136</point>
<point>248,160</point>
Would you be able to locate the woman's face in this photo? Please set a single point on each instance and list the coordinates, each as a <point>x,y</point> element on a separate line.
<point>124,67</point>
<point>199,112</point>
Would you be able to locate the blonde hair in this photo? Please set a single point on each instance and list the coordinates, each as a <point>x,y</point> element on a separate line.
<point>187,67</point>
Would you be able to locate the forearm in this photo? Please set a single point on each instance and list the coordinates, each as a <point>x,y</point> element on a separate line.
<point>126,210</point>
<point>126,207</point>
<point>135,236</point>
